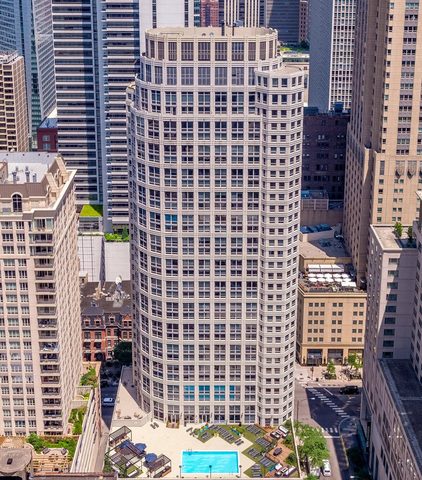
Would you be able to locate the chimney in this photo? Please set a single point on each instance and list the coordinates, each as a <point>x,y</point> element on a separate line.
<point>27,175</point>
<point>34,178</point>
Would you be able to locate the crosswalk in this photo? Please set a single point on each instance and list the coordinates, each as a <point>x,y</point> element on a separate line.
<point>330,430</point>
<point>323,398</point>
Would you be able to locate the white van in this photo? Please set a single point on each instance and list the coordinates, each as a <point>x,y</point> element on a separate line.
<point>326,468</point>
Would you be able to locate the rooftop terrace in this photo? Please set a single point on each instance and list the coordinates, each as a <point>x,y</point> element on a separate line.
<point>389,240</point>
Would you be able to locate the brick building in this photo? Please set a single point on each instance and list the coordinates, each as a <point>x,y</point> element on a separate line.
<point>106,318</point>
<point>47,134</point>
<point>324,153</point>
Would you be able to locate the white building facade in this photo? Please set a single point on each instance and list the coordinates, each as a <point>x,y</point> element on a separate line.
<point>331,35</point>
<point>215,153</point>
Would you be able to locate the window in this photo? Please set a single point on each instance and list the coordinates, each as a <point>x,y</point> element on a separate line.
<point>221,51</point>
<point>238,51</point>
<point>171,76</point>
<point>187,75</point>
<point>187,51</point>
<point>172,47</point>
<point>204,76</point>
<point>204,51</point>
<point>221,75</point>
<point>204,102</point>
<point>237,75</point>
<point>16,203</point>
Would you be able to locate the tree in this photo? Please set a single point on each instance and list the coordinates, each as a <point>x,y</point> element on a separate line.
<point>355,361</point>
<point>312,444</point>
<point>312,477</point>
<point>398,229</point>
<point>331,369</point>
<point>123,352</point>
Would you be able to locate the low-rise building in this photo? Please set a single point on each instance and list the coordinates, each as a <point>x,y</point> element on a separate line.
<point>47,134</point>
<point>106,318</point>
<point>331,306</point>
<point>316,207</point>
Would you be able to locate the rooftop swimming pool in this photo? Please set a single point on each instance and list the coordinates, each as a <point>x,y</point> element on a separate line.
<point>200,462</point>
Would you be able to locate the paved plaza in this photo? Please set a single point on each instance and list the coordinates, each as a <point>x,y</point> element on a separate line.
<point>162,440</point>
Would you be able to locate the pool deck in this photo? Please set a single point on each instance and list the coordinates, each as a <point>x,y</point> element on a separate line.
<point>172,441</point>
<point>168,441</point>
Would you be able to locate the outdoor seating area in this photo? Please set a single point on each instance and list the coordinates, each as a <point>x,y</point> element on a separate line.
<point>126,458</point>
<point>269,452</point>
<point>159,467</point>
<point>117,437</point>
<point>229,434</point>
<point>130,459</point>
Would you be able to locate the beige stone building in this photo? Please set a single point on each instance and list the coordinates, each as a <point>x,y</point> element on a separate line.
<point>40,347</point>
<point>392,391</point>
<point>14,132</point>
<point>384,152</point>
<point>215,200</point>
<point>331,307</point>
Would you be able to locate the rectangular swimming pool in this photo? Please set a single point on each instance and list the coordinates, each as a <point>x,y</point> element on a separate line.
<point>200,462</point>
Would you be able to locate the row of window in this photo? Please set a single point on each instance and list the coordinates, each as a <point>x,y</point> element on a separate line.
<point>205,50</point>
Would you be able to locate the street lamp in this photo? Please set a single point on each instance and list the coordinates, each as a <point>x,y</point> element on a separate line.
<point>210,467</point>
<point>180,471</point>
<point>240,471</point>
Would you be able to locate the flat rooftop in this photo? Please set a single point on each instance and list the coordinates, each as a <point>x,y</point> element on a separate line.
<point>26,167</point>
<point>323,249</point>
<point>406,392</point>
<point>388,239</point>
<point>203,32</point>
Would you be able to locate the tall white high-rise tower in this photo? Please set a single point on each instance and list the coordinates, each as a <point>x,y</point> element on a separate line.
<point>215,154</point>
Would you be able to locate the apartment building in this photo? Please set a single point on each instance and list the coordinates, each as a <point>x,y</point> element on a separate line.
<point>210,206</point>
<point>40,346</point>
<point>14,132</point>
<point>384,146</point>
<point>331,306</point>
<point>210,13</point>
<point>26,26</point>
<point>332,36</point>
<point>392,391</point>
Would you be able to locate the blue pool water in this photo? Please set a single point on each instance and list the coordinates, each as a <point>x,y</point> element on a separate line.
<point>199,462</point>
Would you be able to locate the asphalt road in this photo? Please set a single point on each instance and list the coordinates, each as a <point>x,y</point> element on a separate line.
<point>334,413</point>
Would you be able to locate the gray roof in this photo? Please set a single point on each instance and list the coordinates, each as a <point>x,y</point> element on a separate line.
<point>406,391</point>
<point>111,298</point>
<point>14,460</point>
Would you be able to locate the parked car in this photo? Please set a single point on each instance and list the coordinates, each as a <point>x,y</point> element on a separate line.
<point>315,471</point>
<point>108,402</point>
<point>349,390</point>
<point>326,468</point>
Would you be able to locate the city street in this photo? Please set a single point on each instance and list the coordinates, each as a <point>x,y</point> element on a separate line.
<point>322,405</point>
